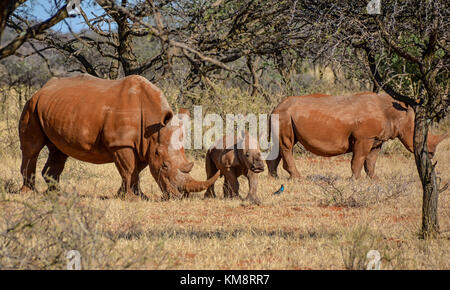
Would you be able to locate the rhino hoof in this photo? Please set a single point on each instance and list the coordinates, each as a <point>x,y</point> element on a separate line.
<point>209,195</point>
<point>25,189</point>
<point>144,197</point>
<point>132,198</point>
<point>274,175</point>
<point>128,197</point>
<point>254,200</point>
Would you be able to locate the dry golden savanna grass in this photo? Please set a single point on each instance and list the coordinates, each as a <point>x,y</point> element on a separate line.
<point>322,221</point>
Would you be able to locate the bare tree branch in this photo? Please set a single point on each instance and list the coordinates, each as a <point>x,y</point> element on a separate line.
<point>37,29</point>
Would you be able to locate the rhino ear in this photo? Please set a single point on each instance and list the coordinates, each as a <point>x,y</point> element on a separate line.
<point>166,118</point>
<point>184,111</point>
<point>183,117</point>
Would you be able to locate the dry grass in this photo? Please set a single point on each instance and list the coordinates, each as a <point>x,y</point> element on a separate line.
<point>295,230</point>
<point>309,226</point>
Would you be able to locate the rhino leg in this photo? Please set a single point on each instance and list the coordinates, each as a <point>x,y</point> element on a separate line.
<point>230,185</point>
<point>135,182</point>
<point>287,142</point>
<point>361,150</point>
<point>253,185</point>
<point>141,166</point>
<point>53,167</point>
<point>226,189</point>
<point>28,170</point>
<point>128,166</point>
<point>289,163</point>
<point>272,166</point>
<point>32,140</point>
<point>211,170</point>
<point>371,159</point>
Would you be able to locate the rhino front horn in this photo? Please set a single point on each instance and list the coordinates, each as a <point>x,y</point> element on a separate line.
<point>193,185</point>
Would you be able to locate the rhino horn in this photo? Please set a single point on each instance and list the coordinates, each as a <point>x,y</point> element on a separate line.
<point>193,185</point>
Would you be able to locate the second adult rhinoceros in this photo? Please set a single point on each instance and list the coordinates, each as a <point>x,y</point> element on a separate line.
<point>126,121</point>
<point>333,125</point>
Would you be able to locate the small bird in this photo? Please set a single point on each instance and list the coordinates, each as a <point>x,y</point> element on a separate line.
<point>279,191</point>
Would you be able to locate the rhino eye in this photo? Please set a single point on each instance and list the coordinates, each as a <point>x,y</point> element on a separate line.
<point>165,166</point>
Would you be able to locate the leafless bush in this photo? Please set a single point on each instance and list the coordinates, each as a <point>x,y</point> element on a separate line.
<point>356,244</point>
<point>8,186</point>
<point>337,192</point>
<point>38,232</point>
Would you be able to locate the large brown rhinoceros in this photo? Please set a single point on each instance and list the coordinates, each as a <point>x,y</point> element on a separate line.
<point>333,125</point>
<point>126,121</point>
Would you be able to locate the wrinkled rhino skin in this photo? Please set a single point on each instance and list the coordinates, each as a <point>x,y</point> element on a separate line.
<point>124,121</point>
<point>332,125</point>
<point>233,162</point>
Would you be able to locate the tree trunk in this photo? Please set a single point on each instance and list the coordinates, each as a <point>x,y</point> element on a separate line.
<point>125,48</point>
<point>4,5</point>
<point>425,168</point>
<point>255,79</point>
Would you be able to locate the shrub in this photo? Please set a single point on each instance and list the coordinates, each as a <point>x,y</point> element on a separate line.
<point>39,232</point>
<point>334,191</point>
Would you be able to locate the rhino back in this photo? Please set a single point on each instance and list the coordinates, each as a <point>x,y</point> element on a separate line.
<point>326,125</point>
<point>86,116</point>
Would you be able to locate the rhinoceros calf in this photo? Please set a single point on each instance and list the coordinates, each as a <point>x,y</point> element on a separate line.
<point>126,121</point>
<point>233,157</point>
<point>333,125</point>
